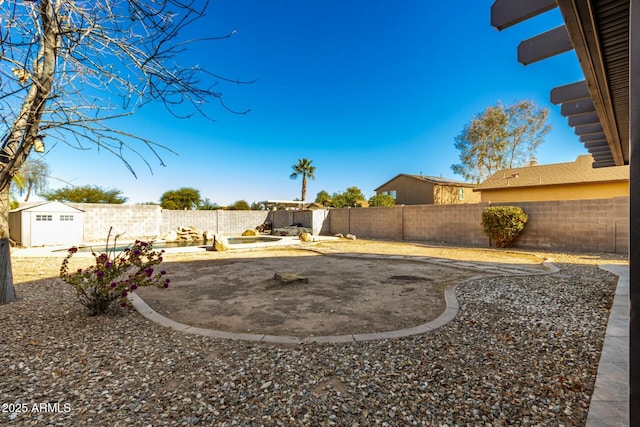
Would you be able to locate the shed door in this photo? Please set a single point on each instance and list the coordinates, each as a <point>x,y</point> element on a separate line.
<point>55,228</point>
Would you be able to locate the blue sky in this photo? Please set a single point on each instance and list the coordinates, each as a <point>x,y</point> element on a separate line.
<point>365,89</point>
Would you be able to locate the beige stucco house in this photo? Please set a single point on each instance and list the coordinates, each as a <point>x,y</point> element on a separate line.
<point>561,181</point>
<point>428,190</point>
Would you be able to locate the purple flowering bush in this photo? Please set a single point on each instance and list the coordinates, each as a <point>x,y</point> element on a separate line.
<point>114,276</point>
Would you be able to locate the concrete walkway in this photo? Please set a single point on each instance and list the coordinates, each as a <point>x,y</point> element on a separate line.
<point>610,400</point>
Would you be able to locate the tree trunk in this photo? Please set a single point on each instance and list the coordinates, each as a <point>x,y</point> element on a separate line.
<point>304,187</point>
<point>29,185</point>
<point>7,291</point>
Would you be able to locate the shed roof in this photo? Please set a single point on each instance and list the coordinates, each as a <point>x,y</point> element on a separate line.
<point>46,206</point>
<point>580,171</point>
<point>431,179</point>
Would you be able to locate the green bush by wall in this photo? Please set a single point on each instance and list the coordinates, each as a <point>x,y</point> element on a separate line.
<point>503,224</point>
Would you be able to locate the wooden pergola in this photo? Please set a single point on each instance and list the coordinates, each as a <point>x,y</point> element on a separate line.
<point>604,108</point>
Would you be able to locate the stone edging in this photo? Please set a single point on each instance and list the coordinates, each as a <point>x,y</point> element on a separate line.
<point>450,312</point>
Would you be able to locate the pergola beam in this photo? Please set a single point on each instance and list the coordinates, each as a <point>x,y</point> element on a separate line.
<point>588,129</point>
<point>597,165</point>
<point>505,13</point>
<point>577,107</point>
<point>601,143</point>
<point>571,92</point>
<point>545,45</point>
<point>593,137</point>
<point>602,150</point>
<point>584,119</point>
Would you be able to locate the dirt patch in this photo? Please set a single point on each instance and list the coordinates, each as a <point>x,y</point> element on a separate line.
<point>501,256</point>
<point>236,291</point>
<point>28,269</point>
<point>337,296</point>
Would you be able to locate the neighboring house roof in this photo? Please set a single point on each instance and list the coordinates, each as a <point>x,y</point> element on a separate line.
<point>578,172</point>
<point>432,179</point>
<point>47,206</point>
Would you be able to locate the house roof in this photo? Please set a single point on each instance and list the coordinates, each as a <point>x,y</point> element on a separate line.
<point>46,206</point>
<point>580,171</point>
<point>431,179</point>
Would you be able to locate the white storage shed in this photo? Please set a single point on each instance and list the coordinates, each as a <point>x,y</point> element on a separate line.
<point>46,224</point>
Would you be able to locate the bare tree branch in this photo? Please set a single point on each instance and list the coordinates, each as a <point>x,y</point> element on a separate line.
<point>69,68</point>
<point>110,58</point>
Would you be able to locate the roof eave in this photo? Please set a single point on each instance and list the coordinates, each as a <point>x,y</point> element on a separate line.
<point>584,35</point>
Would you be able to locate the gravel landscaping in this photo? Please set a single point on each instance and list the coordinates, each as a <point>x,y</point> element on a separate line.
<point>523,350</point>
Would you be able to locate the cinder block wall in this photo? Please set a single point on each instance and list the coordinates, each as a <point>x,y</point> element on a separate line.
<point>457,224</point>
<point>281,219</point>
<point>136,221</point>
<point>202,220</point>
<point>233,223</point>
<point>575,225</point>
<point>581,225</point>
<point>379,223</point>
<point>150,221</point>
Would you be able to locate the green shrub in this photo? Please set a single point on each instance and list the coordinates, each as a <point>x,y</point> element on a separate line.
<point>503,224</point>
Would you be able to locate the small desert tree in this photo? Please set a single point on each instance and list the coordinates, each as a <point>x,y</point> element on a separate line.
<point>501,138</point>
<point>86,194</point>
<point>239,205</point>
<point>67,67</point>
<point>184,198</point>
<point>382,200</point>
<point>323,198</point>
<point>208,205</point>
<point>352,197</point>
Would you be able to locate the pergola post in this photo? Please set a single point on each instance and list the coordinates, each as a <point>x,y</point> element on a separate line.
<point>634,216</point>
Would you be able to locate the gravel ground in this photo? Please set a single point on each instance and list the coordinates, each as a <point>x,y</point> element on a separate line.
<point>522,351</point>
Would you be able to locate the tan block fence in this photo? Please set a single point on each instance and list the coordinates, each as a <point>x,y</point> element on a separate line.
<point>575,225</point>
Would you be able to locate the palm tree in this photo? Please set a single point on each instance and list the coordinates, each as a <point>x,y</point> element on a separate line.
<point>304,169</point>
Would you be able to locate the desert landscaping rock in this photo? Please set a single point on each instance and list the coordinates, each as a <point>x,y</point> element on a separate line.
<point>220,243</point>
<point>306,237</point>
<point>286,278</point>
<point>523,350</point>
<point>181,234</point>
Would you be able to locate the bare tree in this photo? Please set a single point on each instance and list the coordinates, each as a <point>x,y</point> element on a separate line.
<point>67,67</point>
